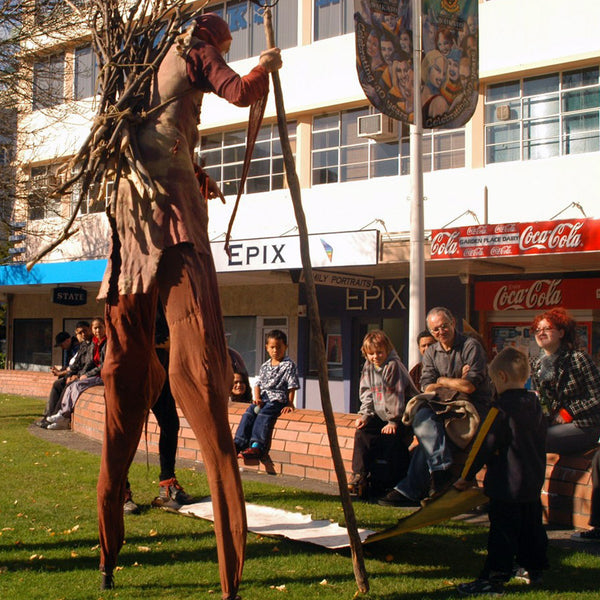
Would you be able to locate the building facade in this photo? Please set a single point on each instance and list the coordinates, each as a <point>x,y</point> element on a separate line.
<point>530,154</point>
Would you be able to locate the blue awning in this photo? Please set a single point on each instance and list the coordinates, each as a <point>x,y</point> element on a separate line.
<point>75,272</point>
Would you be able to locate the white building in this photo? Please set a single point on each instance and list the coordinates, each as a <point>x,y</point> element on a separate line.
<point>531,153</point>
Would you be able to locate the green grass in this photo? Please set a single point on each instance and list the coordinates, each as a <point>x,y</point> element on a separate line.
<point>48,539</point>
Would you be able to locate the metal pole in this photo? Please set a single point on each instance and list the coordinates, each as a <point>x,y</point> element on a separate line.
<point>416,307</point>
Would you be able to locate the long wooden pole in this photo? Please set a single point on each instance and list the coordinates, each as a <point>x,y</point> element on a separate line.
<point>358,562</point>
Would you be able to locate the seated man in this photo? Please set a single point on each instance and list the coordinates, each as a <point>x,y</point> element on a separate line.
<point>69,373</point>
<point>455,362</point>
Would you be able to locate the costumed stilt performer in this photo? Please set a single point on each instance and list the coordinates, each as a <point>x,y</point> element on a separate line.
<point>160,247</point>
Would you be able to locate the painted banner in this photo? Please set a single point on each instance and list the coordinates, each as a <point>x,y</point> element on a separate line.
<point>516,239</point>
<point>538,294</point>
<point>384,59</point>
<point>450,65</point>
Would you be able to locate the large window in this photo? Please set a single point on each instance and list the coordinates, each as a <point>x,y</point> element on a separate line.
<point>245,22</point>
<point>544,116</point>
<point>48,81</point>
<point>43,204</point>
<point>223,156</point>
<point>333,17</point>
<point>32,344</point>
<point>95,199</point>
<point>442,149</point>
<point>86,72</point>
<point>338,154</point>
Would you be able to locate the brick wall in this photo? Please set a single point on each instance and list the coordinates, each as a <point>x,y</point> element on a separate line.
<point>300,447</point>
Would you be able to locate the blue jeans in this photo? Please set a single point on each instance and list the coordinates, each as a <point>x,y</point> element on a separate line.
<point>432,454</point>
<point>257,428</point>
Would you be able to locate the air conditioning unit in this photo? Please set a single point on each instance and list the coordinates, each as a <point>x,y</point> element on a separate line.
<point>377,127</point>
<point>503,112</point>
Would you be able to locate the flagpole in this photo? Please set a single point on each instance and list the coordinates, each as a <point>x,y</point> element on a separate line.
<point>416,307</point>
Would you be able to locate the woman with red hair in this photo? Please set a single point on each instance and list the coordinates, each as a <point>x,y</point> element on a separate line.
<point>568,384</point>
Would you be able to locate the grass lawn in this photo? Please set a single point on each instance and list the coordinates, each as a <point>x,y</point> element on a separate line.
<point>49,545</point>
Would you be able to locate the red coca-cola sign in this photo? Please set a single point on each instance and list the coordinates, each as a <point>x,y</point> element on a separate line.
<point>516,239</point>
<point>537,294</point>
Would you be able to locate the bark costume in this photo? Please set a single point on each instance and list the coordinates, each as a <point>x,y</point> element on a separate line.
<point>160,247</point>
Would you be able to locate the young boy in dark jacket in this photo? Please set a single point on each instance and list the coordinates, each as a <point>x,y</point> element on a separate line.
<point>511,442</point>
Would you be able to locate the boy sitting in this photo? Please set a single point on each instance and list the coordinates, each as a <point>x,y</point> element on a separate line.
<point>274,393</point>
<point>511,442</point>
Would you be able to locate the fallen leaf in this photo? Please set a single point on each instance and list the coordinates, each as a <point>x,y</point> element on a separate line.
<point>324,582</point>
<point>281,588</point>
<point>143,548</point>
<point>74,554</point>
<point>153,533</point>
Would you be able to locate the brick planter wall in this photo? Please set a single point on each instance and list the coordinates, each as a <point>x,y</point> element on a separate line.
<point>300,447</point>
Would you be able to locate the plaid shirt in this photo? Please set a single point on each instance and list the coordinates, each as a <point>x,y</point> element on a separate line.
<point>574,387</point>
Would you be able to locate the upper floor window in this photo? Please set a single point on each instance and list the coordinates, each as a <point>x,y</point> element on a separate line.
<point>543,116</point>
<point>94,201</point>
<point>333,17</point>
<point>223,157</point>
<point>338,154</point>
<point>86,72</point>
<point>245,22</point>
<point>42,204</point>
<point>48,81</point>
<point>442,149</point>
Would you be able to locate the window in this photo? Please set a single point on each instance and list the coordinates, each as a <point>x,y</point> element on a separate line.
<point>223,156</point>
<point>86,72</point>
<point>333,17</point>
<point>543,116</point>
<point>48,81</point>
<point>246,25</point>
<point>442,149</point>
<point>95,199</point>
<point>42,204</point>
<point>338,154</point>
<point>32,344</point>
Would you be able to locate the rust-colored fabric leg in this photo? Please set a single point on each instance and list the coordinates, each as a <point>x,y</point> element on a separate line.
<point>200,375</point>
<point>133,378</point>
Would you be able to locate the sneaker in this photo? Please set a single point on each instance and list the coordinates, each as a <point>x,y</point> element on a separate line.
<point>591,535</point>
<point>129,506</point>
<point>481,587</point>
<point>527,577</point>
<point>252,453</point>
<point>396,498</point>
<point>59,423</point>
<point>43,423</point>
<point>53,418</point>
<point>171,491</point>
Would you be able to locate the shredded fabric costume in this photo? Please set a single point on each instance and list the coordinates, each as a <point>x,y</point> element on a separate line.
<point>161,247</point>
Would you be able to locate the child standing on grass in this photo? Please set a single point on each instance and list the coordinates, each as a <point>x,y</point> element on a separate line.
<point>274,393</point>
<point>385,387</point>
<point>511,442</point>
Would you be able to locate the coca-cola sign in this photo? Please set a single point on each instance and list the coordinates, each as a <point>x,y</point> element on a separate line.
<point>537,294</point>
<point>516,239</point>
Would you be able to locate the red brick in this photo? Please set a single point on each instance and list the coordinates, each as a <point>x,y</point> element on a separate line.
<point>297,447</point>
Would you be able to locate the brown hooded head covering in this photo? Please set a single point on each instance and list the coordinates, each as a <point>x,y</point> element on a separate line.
<point>212,29</point>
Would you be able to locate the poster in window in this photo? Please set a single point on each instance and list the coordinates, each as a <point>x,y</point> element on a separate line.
<point>450,59</point>
<point>334,349</point>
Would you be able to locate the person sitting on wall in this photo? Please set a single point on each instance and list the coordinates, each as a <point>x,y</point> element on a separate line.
<point>385,388</point>
<point>455,363</point>
<point>69,372</point>
<point>274,393</point>
<point>89,377</point>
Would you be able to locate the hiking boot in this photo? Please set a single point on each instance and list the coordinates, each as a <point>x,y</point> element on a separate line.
<point>59,422</point>
<point>129,506</point>
<point>171,492</point>
<point>440,482</point>
<point>481,587</point>
<point>396,498</point>
<point>591,535</point>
